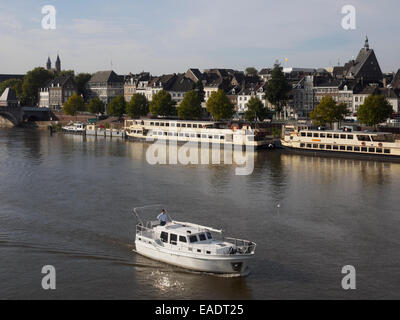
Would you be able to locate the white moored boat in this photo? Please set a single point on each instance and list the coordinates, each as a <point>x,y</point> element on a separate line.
<point>193,247</point>
<point>345,142</point>
<point>74,127</point>
<point>198,132</point>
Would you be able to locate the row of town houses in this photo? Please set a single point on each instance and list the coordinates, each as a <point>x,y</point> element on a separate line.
<point>351,84</point>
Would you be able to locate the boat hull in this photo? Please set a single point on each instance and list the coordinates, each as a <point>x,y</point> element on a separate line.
<point>342,154</point>
<point>229,264</point>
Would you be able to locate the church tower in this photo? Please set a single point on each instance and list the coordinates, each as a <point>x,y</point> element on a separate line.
<point>48,64</point>
<point>58,64</point>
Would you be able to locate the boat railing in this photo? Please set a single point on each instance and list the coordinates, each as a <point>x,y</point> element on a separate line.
<point>242,246</point>
<point>145,232</point>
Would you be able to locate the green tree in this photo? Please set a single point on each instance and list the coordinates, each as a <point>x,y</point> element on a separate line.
<point>74,104</point>
<point>80,81</point>
<point>277,89</point>
<point>138,106</point>
<point>190,107</point>
<point>250,71</point>
<point>162,104</point>
<point>15,84</point>
<point>328,111</point>
<point>255,110</point>
<point>116,107</point>
<point>374,110</point>
<point>65,73</point>
<point>220,106</point>
<point>199,88</point>
<point>96,106</point>
<point>33,81</point>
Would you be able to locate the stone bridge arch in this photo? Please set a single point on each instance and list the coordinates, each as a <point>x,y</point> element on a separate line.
<point>10,117</point>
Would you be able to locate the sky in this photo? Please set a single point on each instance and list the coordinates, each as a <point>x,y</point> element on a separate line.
<point>167,36</point>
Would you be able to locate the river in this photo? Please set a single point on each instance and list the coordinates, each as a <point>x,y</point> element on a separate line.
<point>66,201</point>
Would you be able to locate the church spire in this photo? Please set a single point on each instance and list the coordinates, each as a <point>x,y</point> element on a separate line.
<point>48,64</point>
<point>58,64</point>
<point>366,45</point>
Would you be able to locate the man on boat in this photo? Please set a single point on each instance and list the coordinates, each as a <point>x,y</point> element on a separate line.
<point>163,217</point>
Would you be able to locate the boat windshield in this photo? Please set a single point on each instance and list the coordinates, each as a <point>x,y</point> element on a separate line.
<point>193,238</point>
<point>383,138</point>
<point>202,237</point>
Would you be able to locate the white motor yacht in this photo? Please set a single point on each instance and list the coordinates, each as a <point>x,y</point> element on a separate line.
<point>193,247</point>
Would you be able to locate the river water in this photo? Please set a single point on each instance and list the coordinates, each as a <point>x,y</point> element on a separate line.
<point>66,201</point>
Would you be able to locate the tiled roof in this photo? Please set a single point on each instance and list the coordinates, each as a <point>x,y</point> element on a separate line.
<point>106,76</point>
<point>9,95</point>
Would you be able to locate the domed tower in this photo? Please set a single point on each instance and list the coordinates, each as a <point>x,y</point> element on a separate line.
<point>58,64</point>
<point>48,64</point>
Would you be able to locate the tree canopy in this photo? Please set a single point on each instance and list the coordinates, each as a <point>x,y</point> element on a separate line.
<point>74,104</point>
<point>33,81</point>
<point>162,104</point>
<point>80,81</point>
<point>255,110</point>
<point>65,73</point>
<point>251,71</point>
<point>277,88</point>
<point>96,106</point>
<point>199,88</point>
<point>374,110</point>
<point>116,107</point>
<point>328,111</point>
<point>138,106</point>
<point>220,106</point>
<point>190,107</point>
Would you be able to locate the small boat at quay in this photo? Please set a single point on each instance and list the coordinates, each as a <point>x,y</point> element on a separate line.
<point>344,143</point>
<point>75,127</point>
<point>192,246</point>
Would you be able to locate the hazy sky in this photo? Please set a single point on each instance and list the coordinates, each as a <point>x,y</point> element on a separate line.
<point>165,36</point>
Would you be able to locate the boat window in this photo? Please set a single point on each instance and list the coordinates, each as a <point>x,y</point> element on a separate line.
<point>387,150</point>
<point>363,149</point>
<point>157,124</point>
<point>183,125</point>
<point>303,134</point>
<point>198,135</point>
<point>308,145</point>
<point>322,135</point>
<point>208,252</point>
<point>193,238</point>
<point>335,147</point>
<point>309,134</point>
<point>204,136</point>
<point>152,123</point>
<point>178,125</point>
<point>187,135</point>
<point>209,236</point>
<point>221,137</point>
<point>198,250</point>
<point>329,135</point>
<point>173,239</point>
<point>165,133</point>
<point>379,150</point>
<point>322,146</point>
<point>182,239</point>
<point>371,149</point>
<point>302,145</point>
<point>173,124</point>
<point>164,237</point>
<point>315,146</point>
<point>195,126</point>
<point>383,138</point>
<point>181,134</point>
<point>167,124</point>
<point>316,135</point>
<point>342,148</point>
<point>328,147</point>
<point>161,124</point>
<point>336,136</point>
<point>192,135</point>
<point>349,148</point>
<point>356,148</point>
<point>362,137</point>
<point>189,125</point>
<point>202,237</point>
<point>175,134</point>
<point>350,136</point>
<point>342,136</point>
